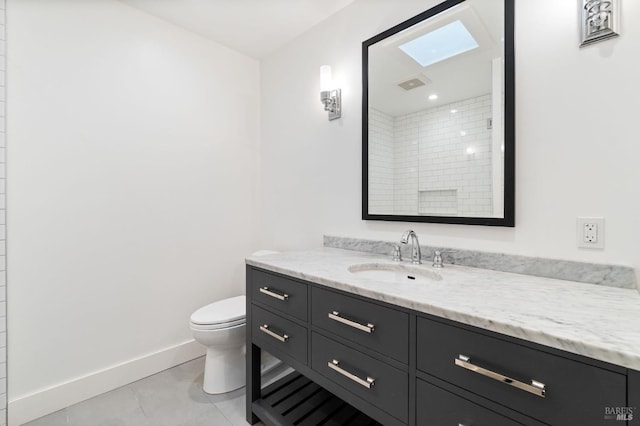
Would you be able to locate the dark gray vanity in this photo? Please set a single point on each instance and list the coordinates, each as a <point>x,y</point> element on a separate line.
<point>364,361</point>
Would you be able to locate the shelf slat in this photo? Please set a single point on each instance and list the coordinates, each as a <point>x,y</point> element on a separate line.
<point>297,401</point>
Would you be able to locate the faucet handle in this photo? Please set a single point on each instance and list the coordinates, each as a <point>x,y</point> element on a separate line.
<point>437,257</point>
<point>397,255</point>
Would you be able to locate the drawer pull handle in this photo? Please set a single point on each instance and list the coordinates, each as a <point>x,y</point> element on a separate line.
<point>265,329</point>
<point>369,328</point>
<point>368,383</point>
<point>536,388</point>
<point>273,294</point>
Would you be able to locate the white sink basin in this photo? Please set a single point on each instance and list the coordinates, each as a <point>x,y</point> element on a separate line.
<point>395,272</point>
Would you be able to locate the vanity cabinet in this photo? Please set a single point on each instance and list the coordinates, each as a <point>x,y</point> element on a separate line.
<point>401,367</point>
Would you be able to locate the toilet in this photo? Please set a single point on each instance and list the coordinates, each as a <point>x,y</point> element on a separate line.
<point>220,326</point>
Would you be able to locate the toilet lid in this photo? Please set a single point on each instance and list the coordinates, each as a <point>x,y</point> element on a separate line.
<point>221,312</point>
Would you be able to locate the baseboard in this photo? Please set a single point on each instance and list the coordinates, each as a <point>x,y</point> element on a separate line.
<point>54,398</point>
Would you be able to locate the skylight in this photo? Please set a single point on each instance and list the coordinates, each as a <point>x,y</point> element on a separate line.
<point>438,45</point>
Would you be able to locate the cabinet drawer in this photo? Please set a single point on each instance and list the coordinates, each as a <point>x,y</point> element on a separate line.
<point>382,329</point>
<point>389,390</point>
<point>573,390</point>
<point>273,331</point>
<point>285,295</point>
<point>438,407</point>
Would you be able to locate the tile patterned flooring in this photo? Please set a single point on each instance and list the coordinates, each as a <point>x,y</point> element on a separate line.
<point>173,397</point>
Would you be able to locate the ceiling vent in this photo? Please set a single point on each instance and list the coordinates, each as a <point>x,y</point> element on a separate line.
<point>413,83</point>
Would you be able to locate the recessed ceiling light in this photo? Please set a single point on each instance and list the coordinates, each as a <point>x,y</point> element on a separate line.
<point>438,45</point>
<point>470,150</point>
<point>453,111</point>
<point>433,97</point>
<point>463,133</point>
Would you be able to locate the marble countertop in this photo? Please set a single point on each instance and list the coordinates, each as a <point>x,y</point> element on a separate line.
<point>599,322</point>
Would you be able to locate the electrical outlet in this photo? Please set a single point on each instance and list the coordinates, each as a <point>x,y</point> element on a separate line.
<point>590,232</point>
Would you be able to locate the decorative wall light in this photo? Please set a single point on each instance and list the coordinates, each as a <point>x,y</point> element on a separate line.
<point>329,96</point>
<point>600,20</point>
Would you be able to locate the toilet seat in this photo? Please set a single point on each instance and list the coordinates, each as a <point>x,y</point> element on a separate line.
<point>221,314</point>
<point>224,325</point>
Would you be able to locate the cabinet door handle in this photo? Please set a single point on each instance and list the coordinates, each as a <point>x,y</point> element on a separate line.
<point>536,388</point>
<point>265,329</point>
<point>335,365</point>
<point>368,328</point>
<point>273,294</point>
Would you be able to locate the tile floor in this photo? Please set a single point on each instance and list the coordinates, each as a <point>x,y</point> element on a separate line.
<point>173,397</point>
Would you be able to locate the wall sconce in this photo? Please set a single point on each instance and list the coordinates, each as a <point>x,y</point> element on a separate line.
<point>330,97</point>
<point>600,20</point>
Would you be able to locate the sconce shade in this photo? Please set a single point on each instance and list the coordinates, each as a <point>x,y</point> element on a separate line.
<point>325,78</point>
<point>329,95</point>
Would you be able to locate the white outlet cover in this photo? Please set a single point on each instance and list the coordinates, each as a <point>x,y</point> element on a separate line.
<point>581,227</point>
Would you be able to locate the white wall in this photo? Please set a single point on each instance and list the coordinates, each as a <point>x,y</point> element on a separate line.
<point>133,182</point>
<point>3,233</point>
<point>577,146</point>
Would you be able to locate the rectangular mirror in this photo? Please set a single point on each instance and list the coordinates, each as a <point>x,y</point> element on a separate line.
<point>438,117</point>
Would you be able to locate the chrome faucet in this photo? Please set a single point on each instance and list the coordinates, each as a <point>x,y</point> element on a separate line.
<point>415,246</point>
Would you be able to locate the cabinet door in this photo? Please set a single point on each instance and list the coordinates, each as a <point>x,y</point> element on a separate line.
<point>439,407</point>
<point>283,294</point>
<point>278,335</point>
<point>502,371</point>
<point>374,381</point>
<point>383,329</point>
<point>634,398</point>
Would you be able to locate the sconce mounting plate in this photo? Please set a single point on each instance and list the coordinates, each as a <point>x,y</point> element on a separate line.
<point>332,100</point>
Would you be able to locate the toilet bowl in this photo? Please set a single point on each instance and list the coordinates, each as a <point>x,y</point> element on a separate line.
<point>220,326</point>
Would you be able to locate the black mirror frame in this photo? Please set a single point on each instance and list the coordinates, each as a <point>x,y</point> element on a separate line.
<point>509,124</point>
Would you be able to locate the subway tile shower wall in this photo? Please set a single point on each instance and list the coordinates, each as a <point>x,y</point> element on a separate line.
<point>438,160</point>
<point>380,162</point>
<point>3,245</point>
<point>455,155</point>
